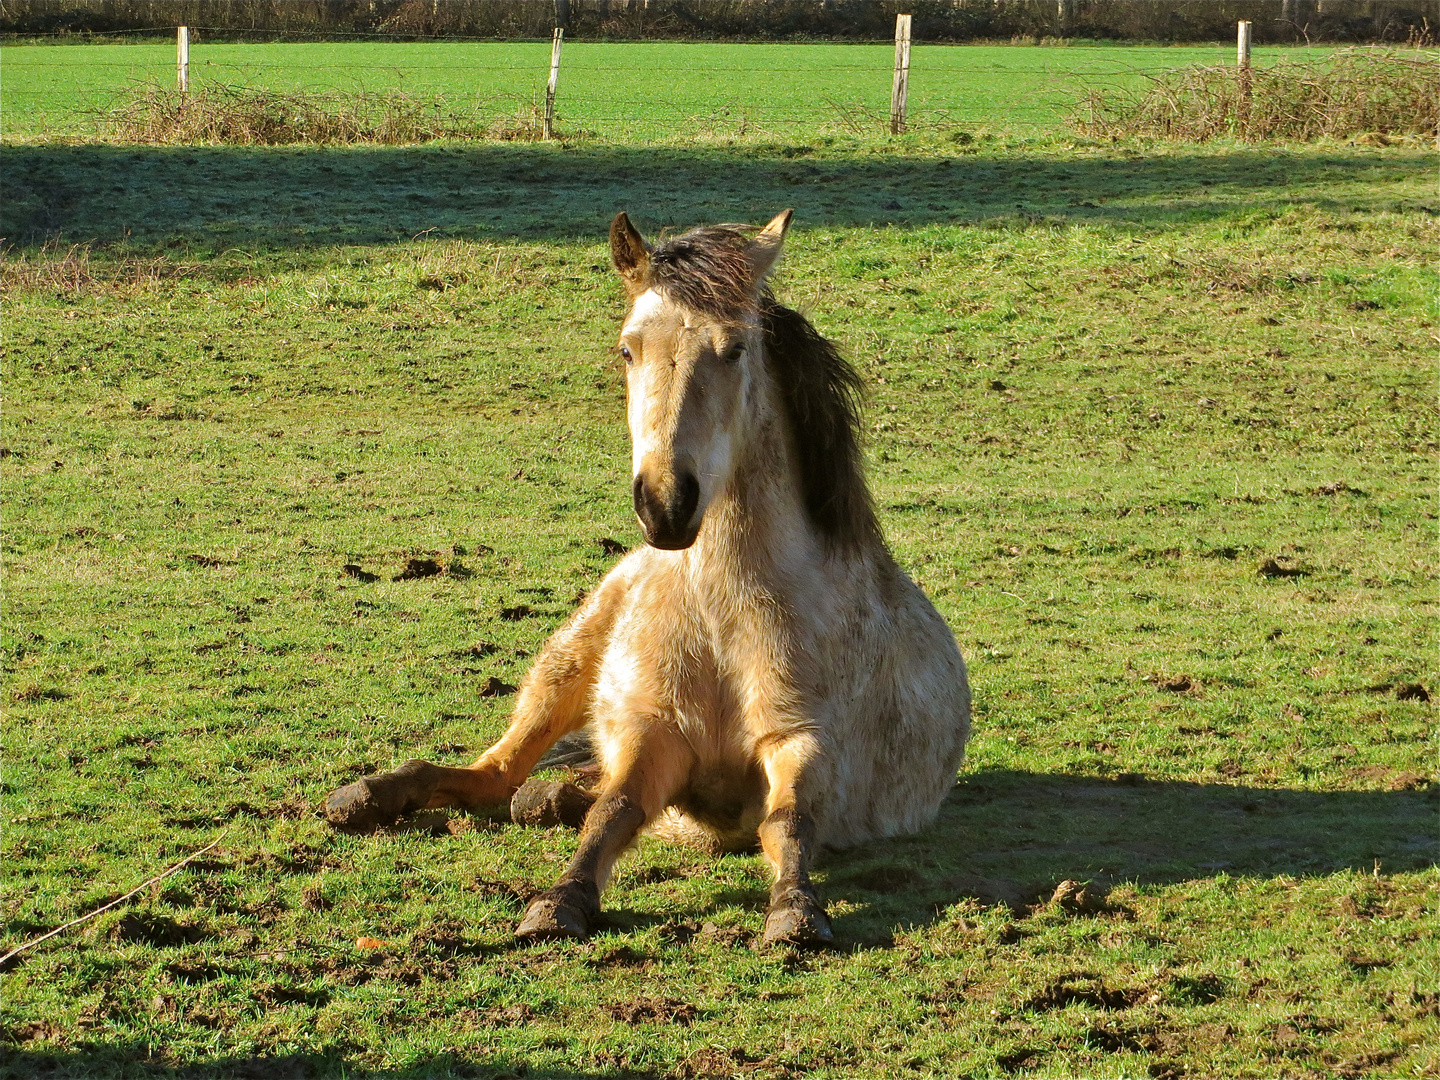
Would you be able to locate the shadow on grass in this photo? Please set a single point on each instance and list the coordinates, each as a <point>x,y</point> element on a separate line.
<point>199,200</point>
<point>137,1059</point>
<point>1008,836</point>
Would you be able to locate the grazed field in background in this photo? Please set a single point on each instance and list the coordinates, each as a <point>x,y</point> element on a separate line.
<point>615,90</point>
<point>1159,440</point>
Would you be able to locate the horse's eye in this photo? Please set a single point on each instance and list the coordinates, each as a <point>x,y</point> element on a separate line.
<point>626,354</point>
<point>736,351</point>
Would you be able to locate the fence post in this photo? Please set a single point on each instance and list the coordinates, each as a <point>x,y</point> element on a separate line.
<point>901,87</point>
<point>556,40</point>
<point>182,59</point>
<point>1242,66</point>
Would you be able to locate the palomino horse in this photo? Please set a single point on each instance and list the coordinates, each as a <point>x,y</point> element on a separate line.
<point>762,667</point>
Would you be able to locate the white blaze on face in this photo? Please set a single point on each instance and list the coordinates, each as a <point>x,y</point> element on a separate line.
<point>643,438</point>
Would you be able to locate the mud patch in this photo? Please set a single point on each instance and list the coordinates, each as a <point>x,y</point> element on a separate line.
<point>1271,568</point>
<point>361,575</point>
<point>496,688</point>
<point>209,562</point>
<point>1084,988</point>
<point>653,1011</point>
<point>1411,692</point>
<point>418,568</point>
<point>1019,898</point>
<point>1178,684</point>
<point>1339,487</point>
<point>158,931</point>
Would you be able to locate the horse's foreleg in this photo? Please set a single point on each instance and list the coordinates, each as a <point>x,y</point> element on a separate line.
<point>651,769</point>
<point>552,702</point>
<point>787,837</point>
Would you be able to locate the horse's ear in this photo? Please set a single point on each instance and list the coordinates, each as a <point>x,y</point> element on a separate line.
<point>628,252</point>
<point>764,250</point>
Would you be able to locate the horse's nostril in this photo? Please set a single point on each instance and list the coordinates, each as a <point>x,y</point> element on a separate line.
<point>687,497</point>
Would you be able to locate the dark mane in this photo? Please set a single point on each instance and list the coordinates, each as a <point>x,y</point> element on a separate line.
<point>822,395</point>
<point>707,271</point>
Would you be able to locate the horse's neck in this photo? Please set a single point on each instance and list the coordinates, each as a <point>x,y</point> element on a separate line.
<point>758,522</point>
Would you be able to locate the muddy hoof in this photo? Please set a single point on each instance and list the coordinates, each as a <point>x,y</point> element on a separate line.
<point>558,914</point>
<point>547,804</point>
<point>797,919</point>
<point>373,801</point>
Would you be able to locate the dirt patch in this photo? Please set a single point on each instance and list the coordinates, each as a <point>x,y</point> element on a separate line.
<point>34,1031</point>
<point>1019,898</point>
<point>622,956</point>
<point>1271,568</point>
<point>496,688</point>
<point>714,1062</point>
<point>478,651</point>
<point>653,1011</point>
<point>731,937</point>
<point>1393,779</point>
<point>1022,1058</point>
<point>1084,988</point>
<point>1090,898</point>
<point>611,547</point>
<point>194,971</point>
<point>158,931</point>
<point>1411,692</point>
<point>1177,684</point>
<point>274,994</point>
<point>418,568</point>
<point>516,613</point>
<point>1339,487</point>
<point>364,576</point>
<point>209,562</point>
<point>36,693</point>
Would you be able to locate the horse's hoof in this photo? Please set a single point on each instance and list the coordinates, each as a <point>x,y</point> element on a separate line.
<point>373,801</point>
<point>546,804</point>
<point>557,915</point>
<point>797,919</point>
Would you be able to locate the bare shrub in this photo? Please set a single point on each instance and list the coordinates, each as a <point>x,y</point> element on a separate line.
<point>245,116</point>
<point>1378,93</point>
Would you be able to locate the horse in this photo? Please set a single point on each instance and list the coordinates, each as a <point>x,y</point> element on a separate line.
<point>762,669</point>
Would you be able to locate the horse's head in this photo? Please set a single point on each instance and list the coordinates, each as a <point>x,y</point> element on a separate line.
<point>691,343</point>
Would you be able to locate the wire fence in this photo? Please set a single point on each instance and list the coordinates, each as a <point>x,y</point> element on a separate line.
<point>651,89</point>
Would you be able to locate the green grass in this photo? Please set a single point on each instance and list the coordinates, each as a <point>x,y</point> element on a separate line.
<point>1093,417</point>
<point>614,90</point>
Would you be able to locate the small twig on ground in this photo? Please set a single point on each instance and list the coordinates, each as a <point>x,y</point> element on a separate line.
<point>5,960</point>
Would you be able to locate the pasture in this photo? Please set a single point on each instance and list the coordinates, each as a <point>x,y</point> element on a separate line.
<point>1154,426</point>
<point>640,90</point>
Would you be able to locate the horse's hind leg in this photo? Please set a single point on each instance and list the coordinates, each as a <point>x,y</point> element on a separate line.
<point>552,702</point>
<point>652,768</point>
<point>787,836</point>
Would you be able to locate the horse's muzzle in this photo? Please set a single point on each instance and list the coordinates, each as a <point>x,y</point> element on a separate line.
<point>667,518</point>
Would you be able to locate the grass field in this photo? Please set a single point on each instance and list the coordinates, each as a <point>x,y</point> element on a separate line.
<point>624,90</point>
<point>1154,426</point>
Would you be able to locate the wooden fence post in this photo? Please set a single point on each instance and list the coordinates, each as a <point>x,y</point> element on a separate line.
<point>556,40</point>
<point>901,87</point>
<point>182,59</point>
<point>1243,73</point>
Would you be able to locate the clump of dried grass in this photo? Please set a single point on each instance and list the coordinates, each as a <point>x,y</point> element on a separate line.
<point>67,269</point>
<point>246,116</point>
<point>1376,94</point>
